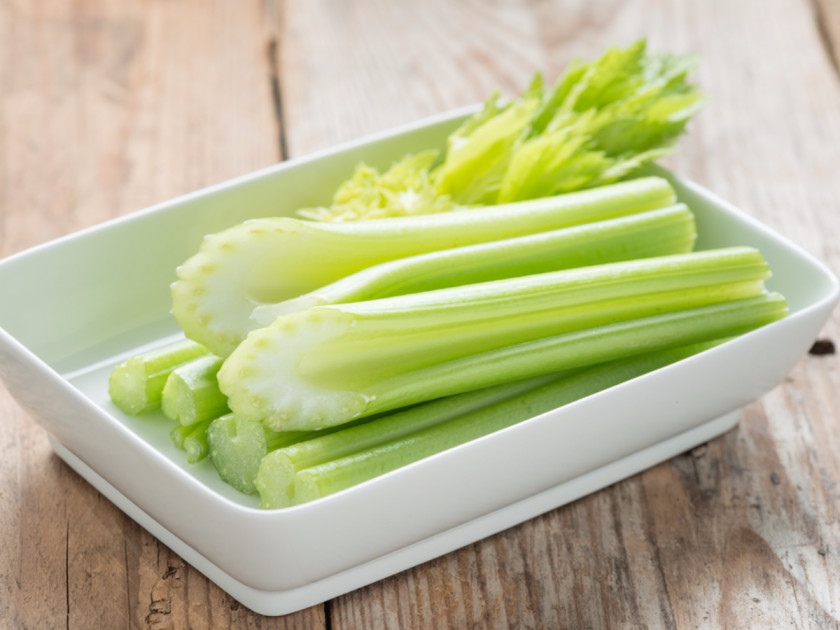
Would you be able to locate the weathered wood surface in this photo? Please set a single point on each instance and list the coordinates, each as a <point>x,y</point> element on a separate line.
<point>108,106</point>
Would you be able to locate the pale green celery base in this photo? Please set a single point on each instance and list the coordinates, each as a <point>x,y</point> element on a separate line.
<point>328,365</point>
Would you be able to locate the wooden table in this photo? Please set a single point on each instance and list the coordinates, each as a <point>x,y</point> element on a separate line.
<point>107,106</point>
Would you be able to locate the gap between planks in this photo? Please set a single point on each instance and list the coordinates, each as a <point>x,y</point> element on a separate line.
<point>827,19</point>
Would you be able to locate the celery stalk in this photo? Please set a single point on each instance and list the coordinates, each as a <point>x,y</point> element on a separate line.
<point>275,479</point>
<point>236,447</point>
<point>135,385</point>
<point>192,439</point>
<point>265,261</point>
<point>191,393</point>
<point>195,443</point>
<point>330,364</point>
<point>660,232</point>
<point>340,473</point>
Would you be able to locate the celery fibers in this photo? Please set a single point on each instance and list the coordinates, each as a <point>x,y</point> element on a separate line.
<point>366,463</point>
<point>264,261</point>
<point>669,230</point>
<point>330,364</point>
<point>236,447</point>
<point>135,385</point>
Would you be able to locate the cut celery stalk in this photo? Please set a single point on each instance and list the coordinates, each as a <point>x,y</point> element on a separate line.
<point>135,386</point>
<point>236,447</point>
<point>192,394</point>
<point>195,443</point>
<point>192,439</point>
<point>659,232</point>
<point>265,261</point>
<point>338,474</point>
<point>330,364</point>
<point>275,478</point>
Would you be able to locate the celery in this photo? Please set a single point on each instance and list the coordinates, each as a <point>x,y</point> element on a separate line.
<point>191,393</point>
<point>236,447</point>
<point>660,232</point>
<point>330,364</point>
<point>600,122</point>
<point>195,443</point>
<point>265,261</point>
<point>135,386</point>
<point>277,469</point>
<point>192,439</point>
<point>339,473</point>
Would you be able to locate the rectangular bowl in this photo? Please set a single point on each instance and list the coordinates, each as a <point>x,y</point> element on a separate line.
<point>77,306</point>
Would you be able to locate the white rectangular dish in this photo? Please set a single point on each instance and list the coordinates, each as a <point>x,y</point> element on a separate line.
<point>75,307</point>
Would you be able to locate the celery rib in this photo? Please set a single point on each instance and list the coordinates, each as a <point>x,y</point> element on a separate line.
<point>328,365</point>
<point>264,261</point>
<point>136,385</point>
<point>669,230</point>
<point>192,394</point>
<point>275,478</point>
<point>341,472</point>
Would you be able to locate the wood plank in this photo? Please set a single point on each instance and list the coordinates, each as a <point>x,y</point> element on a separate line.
<point>110,106</point>
<point>827,16</point>
<point>739,532</point>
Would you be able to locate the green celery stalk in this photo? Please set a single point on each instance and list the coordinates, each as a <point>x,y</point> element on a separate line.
<point>669,230</point>
<point>265,261</point>
<point>327,365</point>
<point>236,447</point>
<point>275,478</point>
<point>135,385</point>
<point>192,394</point>
<point>366,463</point>
<point>195,443</point>
<point>192,439</point>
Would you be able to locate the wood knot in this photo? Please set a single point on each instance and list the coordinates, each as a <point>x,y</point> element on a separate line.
<point>822,347</point>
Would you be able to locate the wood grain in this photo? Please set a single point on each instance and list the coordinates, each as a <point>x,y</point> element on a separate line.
<point>110,106</point>
<point>656,550</point>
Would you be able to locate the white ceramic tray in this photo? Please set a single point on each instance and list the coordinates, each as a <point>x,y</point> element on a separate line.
<point>84,302</point>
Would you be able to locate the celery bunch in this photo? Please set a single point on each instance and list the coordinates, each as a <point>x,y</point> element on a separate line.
<point>598,123</point>
<point>327,352</point>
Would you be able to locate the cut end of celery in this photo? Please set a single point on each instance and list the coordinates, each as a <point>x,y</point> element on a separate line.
<point>262,377</point>
<point>127,388</point>
<point>275,481</point>
<point>236,447</point>
<point>218,287</point>
<point>306,488</point>
<point>191,392</point>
